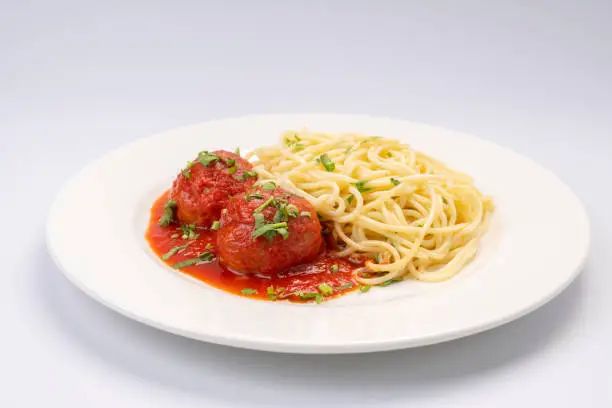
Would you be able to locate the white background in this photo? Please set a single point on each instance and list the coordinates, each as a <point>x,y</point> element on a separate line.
<point>80,78</point>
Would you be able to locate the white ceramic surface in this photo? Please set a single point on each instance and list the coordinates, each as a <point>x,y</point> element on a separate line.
<point>536,244</point>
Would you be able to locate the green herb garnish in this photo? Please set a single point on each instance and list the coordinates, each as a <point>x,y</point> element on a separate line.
<point>395,182</point>
<point>229,162</point>
<point>292,210</point>
<point>334,268</point>
<point>271,293</point>
<point>361,186</point>
<point>364,288</point>
<point>264,205</point>
<point>189,231</point>
<point>292,142</point>
<point>350,199</point>
<point>215,226</point>
<point>269,186</point>
<point>389,154</point>
<point>174,251</point>
<point>345,286</point>
<point>308,295</point>
<point>186,172</point>
<point>327,163</point>
<point>278,217</point>
<point>325,289</point>
<point>269,230</point>
<point>209,246</point>
<point>249,291</point>
<point>376,258</point>
<point>169,210</point>
<point>306,214</point>
<point>253,195</point>
<point>174,236</point>
<point>204,257</point>
<point>247,174</point>
<point>232,169</point>
<point>390,282</point>
<point>206,158</point>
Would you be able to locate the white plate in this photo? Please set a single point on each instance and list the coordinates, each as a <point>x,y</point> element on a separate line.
<point>536,244</point>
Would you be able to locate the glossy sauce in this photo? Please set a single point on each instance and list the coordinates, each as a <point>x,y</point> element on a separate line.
<point>287,285</point>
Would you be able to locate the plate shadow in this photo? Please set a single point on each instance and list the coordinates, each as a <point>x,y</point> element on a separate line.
<point>198,368</point>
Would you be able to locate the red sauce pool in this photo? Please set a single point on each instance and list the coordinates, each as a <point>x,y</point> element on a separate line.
<point>287,285</point>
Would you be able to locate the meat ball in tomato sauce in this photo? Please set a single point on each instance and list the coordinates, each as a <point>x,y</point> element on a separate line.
<point>266,231</point>
<point>205,186</point>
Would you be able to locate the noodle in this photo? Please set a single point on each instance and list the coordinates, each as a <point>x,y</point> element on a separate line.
<point>408,213</point>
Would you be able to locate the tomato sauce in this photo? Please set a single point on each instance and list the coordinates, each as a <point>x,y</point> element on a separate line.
<point>300,283</point>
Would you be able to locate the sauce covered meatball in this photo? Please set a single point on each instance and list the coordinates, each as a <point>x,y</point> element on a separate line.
<point>205,186</point>
<point>266,230</point>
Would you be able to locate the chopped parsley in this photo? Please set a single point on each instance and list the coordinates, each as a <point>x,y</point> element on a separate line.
<point>334,268</point>
<point>271,292</point>
<point>278,216</point>
<point>292,142</point>
<point>306,214</point>
<point>189,231</point>
<point>395,182</point>
<point>209,246</point>
<point>376,258</point>
<point>264,205</point>
<point>292,210</point>
<point>350,199</point>
<point>269,186</point>
<point>173,236</point>
<point>233,169</point>
<point>246,175</point>
<point>186,172</point>
<point>249,291</point>
<point>364,288</point>
<point>326,162</point>
<point>229,162</point>
<point>390,282</point>
<point>206,158</point>
<point>215,226</point>
<point>269,230</point>
<point>203,257</point>
<point>325,289</point>
<point>345,286</point>
<point>361,186</point>
<point>169,210</point>
<point>174,251</point>
<point>253,195</point>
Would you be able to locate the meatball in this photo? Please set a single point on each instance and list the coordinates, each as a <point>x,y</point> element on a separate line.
<point>203,189</point>
<point>267,230</point>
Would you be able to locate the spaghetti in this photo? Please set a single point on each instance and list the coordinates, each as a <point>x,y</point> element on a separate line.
<point>408,213</point>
